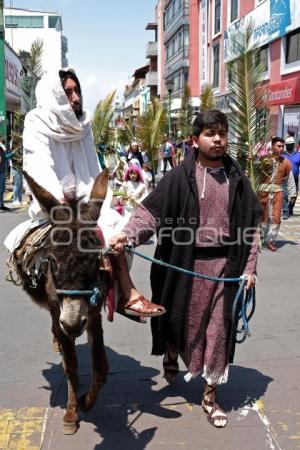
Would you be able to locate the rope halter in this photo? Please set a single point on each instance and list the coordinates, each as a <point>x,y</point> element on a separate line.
<point>93,294</point>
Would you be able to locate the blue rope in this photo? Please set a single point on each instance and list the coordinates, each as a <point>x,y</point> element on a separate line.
<point>240,306</point>
<point>241,301</point>
<point>180,269</point>
<point>94,294</point>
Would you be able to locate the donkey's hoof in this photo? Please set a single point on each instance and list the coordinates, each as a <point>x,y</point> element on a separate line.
<point>70,427</point>
<point>85,403</point>
<point>56,347</point>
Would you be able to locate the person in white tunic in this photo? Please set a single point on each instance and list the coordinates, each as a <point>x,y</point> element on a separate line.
<point>133,191</point>
<point>60,155</point>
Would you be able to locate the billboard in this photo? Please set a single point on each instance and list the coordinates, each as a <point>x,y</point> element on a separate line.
<point>271,20</point>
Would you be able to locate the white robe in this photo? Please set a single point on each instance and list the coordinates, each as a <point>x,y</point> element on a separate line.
<point>60,155</point>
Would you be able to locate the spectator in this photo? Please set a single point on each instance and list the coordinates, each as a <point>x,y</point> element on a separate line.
<point>4,157</point>
<point>17,164</point>
<point>134,152</point>
<point>294,157</point>
<point>276,170</point>
<point>167,154</point>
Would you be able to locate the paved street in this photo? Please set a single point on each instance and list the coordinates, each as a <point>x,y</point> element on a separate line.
<point>137,409</point>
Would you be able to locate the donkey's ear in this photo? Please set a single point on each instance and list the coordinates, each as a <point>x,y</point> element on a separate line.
<point>91,211</point>
<point>99,189</point>
<point>46,200</point>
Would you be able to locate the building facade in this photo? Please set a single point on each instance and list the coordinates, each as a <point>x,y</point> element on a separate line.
<point>24,26</point>
<point>194,39</point>
<point>136,95</point>
<point>277,34</point>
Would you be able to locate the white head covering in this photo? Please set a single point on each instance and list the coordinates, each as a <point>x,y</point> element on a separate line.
<point>54,116</point>
<point>134,162</point>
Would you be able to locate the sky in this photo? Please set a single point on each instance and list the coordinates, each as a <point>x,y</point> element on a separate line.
<point>107,40</point>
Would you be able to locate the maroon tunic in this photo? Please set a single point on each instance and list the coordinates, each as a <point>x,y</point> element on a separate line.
<point>207,331</point>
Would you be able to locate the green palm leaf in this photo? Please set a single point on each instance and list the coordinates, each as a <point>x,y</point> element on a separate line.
<point>150,130</point>
<point>102,120</point>
<point>207,99</point>
<point>34,73</point>
<point>185,116</point>
<point>249,115</point>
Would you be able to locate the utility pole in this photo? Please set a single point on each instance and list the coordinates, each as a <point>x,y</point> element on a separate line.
<point>3,121</point>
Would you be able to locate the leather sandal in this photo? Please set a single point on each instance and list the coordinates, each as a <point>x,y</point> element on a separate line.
<point>138,319</point>
<point>142,307</point>
<point>212,417</point>
<point>170,365</point>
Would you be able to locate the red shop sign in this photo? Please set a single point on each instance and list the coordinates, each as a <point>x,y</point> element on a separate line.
<point>283,93</point>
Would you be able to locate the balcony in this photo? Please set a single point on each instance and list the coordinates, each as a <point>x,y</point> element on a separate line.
<point>151,50</point>
<point>181,18</point>
<point>151,79</point>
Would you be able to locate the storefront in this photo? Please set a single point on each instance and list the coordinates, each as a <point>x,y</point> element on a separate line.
<point>13,70</point>
<point>286,96</point>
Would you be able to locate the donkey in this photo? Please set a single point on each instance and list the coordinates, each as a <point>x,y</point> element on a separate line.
<point>73,287</point>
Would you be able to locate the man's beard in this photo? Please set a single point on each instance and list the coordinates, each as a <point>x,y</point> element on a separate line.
<point>215,158</point>
<point>78,113</point>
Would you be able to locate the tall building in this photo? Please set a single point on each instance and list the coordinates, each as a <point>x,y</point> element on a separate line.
<point>24,26</point>
<point>178,54</point>
<point>151,81</point>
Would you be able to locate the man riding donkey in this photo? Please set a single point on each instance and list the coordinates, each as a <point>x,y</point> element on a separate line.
<point>206,217</point>
<point>59,154</point>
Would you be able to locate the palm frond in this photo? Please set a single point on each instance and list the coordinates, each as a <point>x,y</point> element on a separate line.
<point>150,129</point>
<point>36,52</point>
<point>185,116</point>
<point>129,128</point>
<point>207,99</point>
<point>34,73</point>
<point>249,115</point>
<point>102,119</point>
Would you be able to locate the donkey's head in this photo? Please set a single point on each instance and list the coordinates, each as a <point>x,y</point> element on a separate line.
<point>73,251</point>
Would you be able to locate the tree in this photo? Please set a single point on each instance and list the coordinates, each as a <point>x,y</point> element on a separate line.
<point>103,133</point>
<point>249,114</point>
<point>34,72</point>
<point>185,117</point>
<point>126,133</point>
<point>28,84</point>
<point>207,99</point>
<point>150,130</point>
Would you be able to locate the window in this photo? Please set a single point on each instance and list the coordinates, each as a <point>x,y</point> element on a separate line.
<point>186,37</point>
<point>52,21</point>
<point>263,57</point>
<point>24,21</point>
<point>234,5</point>
<point>180,39</point>
<point>216,67</point>
<point>292,47</point>
<point>217,26</point>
